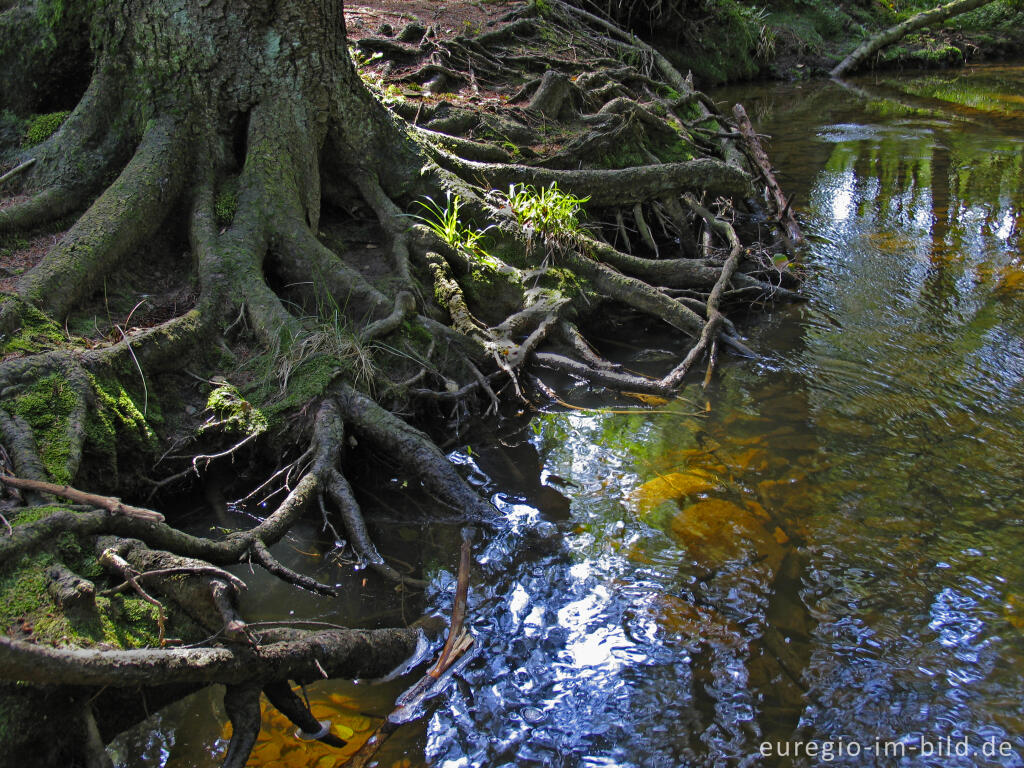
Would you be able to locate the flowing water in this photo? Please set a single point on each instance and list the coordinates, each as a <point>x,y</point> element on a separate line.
<point>820,559</point>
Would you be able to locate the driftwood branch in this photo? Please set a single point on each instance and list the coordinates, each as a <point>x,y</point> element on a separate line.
<point>782,206</point>
<point>110,503</point>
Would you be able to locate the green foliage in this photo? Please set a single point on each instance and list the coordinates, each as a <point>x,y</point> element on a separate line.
<point>546,211</point>
<point>446,224</point>
<point>226,204</point>
<point>42,127</point>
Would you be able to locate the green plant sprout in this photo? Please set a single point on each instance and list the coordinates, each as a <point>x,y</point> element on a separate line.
<point>444,222</point>
<point>548,211</point>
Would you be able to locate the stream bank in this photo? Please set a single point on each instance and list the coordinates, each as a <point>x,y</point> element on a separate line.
<point>826,548</point>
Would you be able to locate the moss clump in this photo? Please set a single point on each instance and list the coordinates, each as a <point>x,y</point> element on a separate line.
<point>42,127</point>
<point>226,203</point>
<point>26,608</point>
<point>626,155</point>
<point>416,333</point>
<point>27,515</point>
<point>38,333</point>
<point>565,281</point>
<point>233,413</point>
<point>47,407</point>
<point>308,380</point>
<point>678,151</point>
<point>23,595</point>
<point>494,293</point>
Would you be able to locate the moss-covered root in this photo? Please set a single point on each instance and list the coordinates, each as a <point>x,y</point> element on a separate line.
<point>127,212</point>
<point>413,449</point>
<point>71,162</point>
<point>48,205</point>
<point>53,405</point>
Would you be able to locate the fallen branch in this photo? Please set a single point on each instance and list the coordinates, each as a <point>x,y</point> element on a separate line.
<point>894,33</point>
<point>16,170</point>
<point>110,503</point>
<point>782,208</point>
<point>431,683</point>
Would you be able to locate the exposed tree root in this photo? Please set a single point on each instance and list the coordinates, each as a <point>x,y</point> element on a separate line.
<point>626,186</point>
<point>114,225</point>
<point>282,654</point>
<point>242,703</point>
<point>715,318</point>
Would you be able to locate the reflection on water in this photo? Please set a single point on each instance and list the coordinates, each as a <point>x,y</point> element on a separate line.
<point>833,554</point>
<point>831,557</point>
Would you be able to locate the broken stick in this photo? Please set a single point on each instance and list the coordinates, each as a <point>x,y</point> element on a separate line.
<point>110,503</point>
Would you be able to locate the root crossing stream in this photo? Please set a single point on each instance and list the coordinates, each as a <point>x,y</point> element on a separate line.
<point>820,560</point>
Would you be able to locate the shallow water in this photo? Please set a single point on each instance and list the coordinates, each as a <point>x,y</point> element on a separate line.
<point>821,555</point>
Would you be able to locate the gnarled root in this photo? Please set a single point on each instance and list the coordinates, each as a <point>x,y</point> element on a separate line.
<point>458,318</point>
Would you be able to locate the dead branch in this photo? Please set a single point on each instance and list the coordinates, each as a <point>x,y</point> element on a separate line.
<point>16,170</point>
<point>112,504</point>
<point>782,208</point>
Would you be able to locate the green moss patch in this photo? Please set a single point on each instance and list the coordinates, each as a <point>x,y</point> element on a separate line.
<point>38,333</point>
<point>233,413</point>
<point>42,127</point>
<point>226,203</point>
<point>116,428</point>
<point>47,407</point>
<point>26,609</point>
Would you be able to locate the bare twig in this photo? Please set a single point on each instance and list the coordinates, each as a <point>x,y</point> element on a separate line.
<point>110,503</point>
<point>18,169</point>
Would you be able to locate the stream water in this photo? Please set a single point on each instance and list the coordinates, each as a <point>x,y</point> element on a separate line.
<point>818,560</point>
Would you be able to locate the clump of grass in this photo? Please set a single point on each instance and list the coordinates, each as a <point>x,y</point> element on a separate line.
<point>547,211</point>
<point>446,224</point>
<point>330,341</point>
